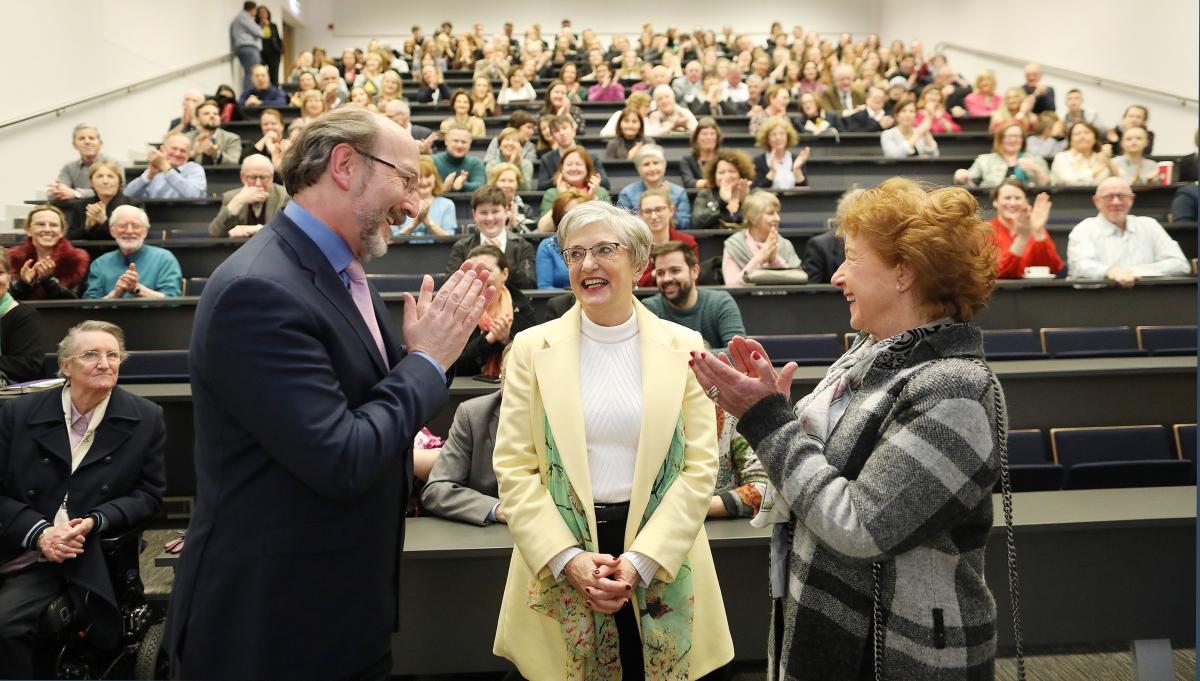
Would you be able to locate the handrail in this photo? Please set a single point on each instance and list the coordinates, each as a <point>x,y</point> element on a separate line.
<point>1068,73</point>
<point>124,89</point>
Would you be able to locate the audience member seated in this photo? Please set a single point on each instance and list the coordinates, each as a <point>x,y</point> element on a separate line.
<point>1019,231</point>
<point>308,81</point>
<point>552,271</point>
<point>1078,113</point>
<point>333,89</point>
<point>778,99</point>
<point>492,66</point>
<point>1016,108</point>
<point>668,118</point>
<point>843,98</point>
<point>729,175</point>
<point>1085,163</point>
<point>1047,137</point>
<point>370,78</point>
<point>657,211</point>
<point>488,208</point>
<point>432,90</point>
<point>134,270</point>
<point>390,89</point>
<point>810,80</point>
<point>227,100</point>
<point>458,170</point>
<point>1184,206</point>
<point>435,213</point>
<point>1043,95</point>
<point>304,64</point>
<point>359,97</point>
<point>169,174</point>
<point>776,167</point>
<point>631,135</point>
<point>88,219</point>
<point>1135,116</point>
<point>1008,158</point>
<point>270,123</point>
<point>651,164</point>
<point>815,120</point>
<point>706,140</point>
<point>1131,164</point>
<point>983,100</point>
<point>872,117</point>
<point>52,543</point>
<point>460,106</point>
<point>758,246</point>
<point>509,313</point>
<point>74,180</point>
<point>399,111</point>
<point>1122,247</point>
<point>246,209</point>
<point>638,101</point>
<point>46,265</point>
<point>707,310</point>
<point>483,100</point>
<point>906,139</point>
<point>524,123</point>
<point>558,103</point>
<point>210,144</point>
<point>562,135</point>
<point>577,172</point>
<point>462,484</point>
<point>931,105</point>
<point>741,480</point>
<point>183,124</point>
<point>517,89</point>
<point>823,255</point>
<point>24,347</point>
<point>510,179</point>
<point>605,89</point>
<point>510,149</point>
<point>261,92</point>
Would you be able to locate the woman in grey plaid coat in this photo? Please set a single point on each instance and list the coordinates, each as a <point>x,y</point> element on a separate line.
<point>881,479</point>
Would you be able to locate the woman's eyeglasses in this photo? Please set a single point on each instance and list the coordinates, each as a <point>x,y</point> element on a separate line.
<point>602,251</point>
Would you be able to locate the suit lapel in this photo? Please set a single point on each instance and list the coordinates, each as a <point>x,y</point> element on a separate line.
<point>493,423</point>
<point>664,376</point>
<point>47,423</point>
<point>556,367</point>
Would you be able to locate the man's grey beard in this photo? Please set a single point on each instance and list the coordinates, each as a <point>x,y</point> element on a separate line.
<point>373,244</point>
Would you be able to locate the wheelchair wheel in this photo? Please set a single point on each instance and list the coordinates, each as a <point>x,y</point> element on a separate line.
<point>152,660</point>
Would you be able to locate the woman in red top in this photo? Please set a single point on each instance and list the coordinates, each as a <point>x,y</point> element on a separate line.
<point>658,212</point>
<point>933,106</point>
<point>1020,231</point>
<point>46,265</point>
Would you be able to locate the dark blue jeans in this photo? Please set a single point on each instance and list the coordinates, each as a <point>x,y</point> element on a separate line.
<point>249,57</point>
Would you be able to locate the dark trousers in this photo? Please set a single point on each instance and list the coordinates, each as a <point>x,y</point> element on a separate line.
<point>249,58</point>
<point>23,597</point>
<point>610,539</point>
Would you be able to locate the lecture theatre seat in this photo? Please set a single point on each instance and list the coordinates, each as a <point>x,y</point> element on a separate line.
<point>155,366</point>
<point>1167,340</point>
<point>1029,466</point>
<point>1185,444</point>
<point>1012,344</point>
<point>194,286</point>
<point>400,283</point>
<point>810,349</point>
<point>1100,341</point>
<point>1119,456</point>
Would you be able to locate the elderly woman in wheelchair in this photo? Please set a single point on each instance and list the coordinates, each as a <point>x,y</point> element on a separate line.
<point>77,465</point>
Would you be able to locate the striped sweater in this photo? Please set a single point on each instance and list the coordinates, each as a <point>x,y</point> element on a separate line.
<point>905,480</point>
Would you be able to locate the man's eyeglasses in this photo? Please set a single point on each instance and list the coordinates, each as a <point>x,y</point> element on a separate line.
<point>410,179</point>
<point>602,251</point>
<point>92,357</point>
<point>1108,198</point>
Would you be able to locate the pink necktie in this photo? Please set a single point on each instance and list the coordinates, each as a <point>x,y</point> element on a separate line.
<point>362,300</point>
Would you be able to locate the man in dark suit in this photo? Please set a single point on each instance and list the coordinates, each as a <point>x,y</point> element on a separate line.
<point>872,117</point>
<point>823,255</point>
<point>246,209</point>
<point>488,207</point>
<point>305,413</point>
<point>462,484</point>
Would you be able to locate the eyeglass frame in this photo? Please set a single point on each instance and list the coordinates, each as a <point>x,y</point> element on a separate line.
<point>120,357</point>
<point>1109,198</point>
<point>616,252</point>
<point>410,179</point>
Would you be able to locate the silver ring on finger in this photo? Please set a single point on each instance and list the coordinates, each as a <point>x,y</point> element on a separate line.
<point>713,393</point>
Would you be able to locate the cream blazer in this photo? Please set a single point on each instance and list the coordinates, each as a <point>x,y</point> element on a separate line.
<point>542,376</point>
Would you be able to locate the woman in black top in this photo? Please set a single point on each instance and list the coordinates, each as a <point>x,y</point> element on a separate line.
<point>87,219</point>
<point>272,42</point>
<point>22,342</point>
<point>706,142</point>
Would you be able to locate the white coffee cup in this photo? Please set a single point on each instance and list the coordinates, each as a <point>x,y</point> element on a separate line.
<point>1037,271</point>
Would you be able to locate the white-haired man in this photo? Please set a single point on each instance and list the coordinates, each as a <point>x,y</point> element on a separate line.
<point>246,209</point>
<point>844,98</point>
<point>170,173</point>
<point>134,270</point>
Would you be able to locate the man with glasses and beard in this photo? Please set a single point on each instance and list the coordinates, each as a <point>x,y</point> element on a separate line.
<point>712,312</point>
<point>306,406</point>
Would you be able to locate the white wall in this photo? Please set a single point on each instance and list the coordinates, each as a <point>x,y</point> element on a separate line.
<point>1154,45</point>
<point>83,48</point>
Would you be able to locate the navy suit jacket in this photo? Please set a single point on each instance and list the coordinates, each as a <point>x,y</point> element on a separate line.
<point>303,460</point>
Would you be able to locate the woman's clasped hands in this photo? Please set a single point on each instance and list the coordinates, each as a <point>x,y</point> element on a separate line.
<point>604,581</point>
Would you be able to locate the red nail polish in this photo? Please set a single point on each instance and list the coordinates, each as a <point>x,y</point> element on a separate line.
<point>627,587</point>
<point>755,355</point>
<point>691,363</point>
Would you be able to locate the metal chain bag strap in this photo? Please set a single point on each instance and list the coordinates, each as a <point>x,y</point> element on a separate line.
<point>1014,589</point>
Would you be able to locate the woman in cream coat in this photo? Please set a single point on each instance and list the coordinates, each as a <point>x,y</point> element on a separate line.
<point>606,460</point>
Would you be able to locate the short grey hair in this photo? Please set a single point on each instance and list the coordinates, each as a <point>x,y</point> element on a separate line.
<point>843,68</point>
<point>757,203</point>
<point>396,106</point>
<point>66,346</point>
<point>138,213</point>
<point>84,126</point>
<point>309,155</point>
<point>257,158</point>
<point>663,90</point>
<point>649,150</point>
<point>631,230</point>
